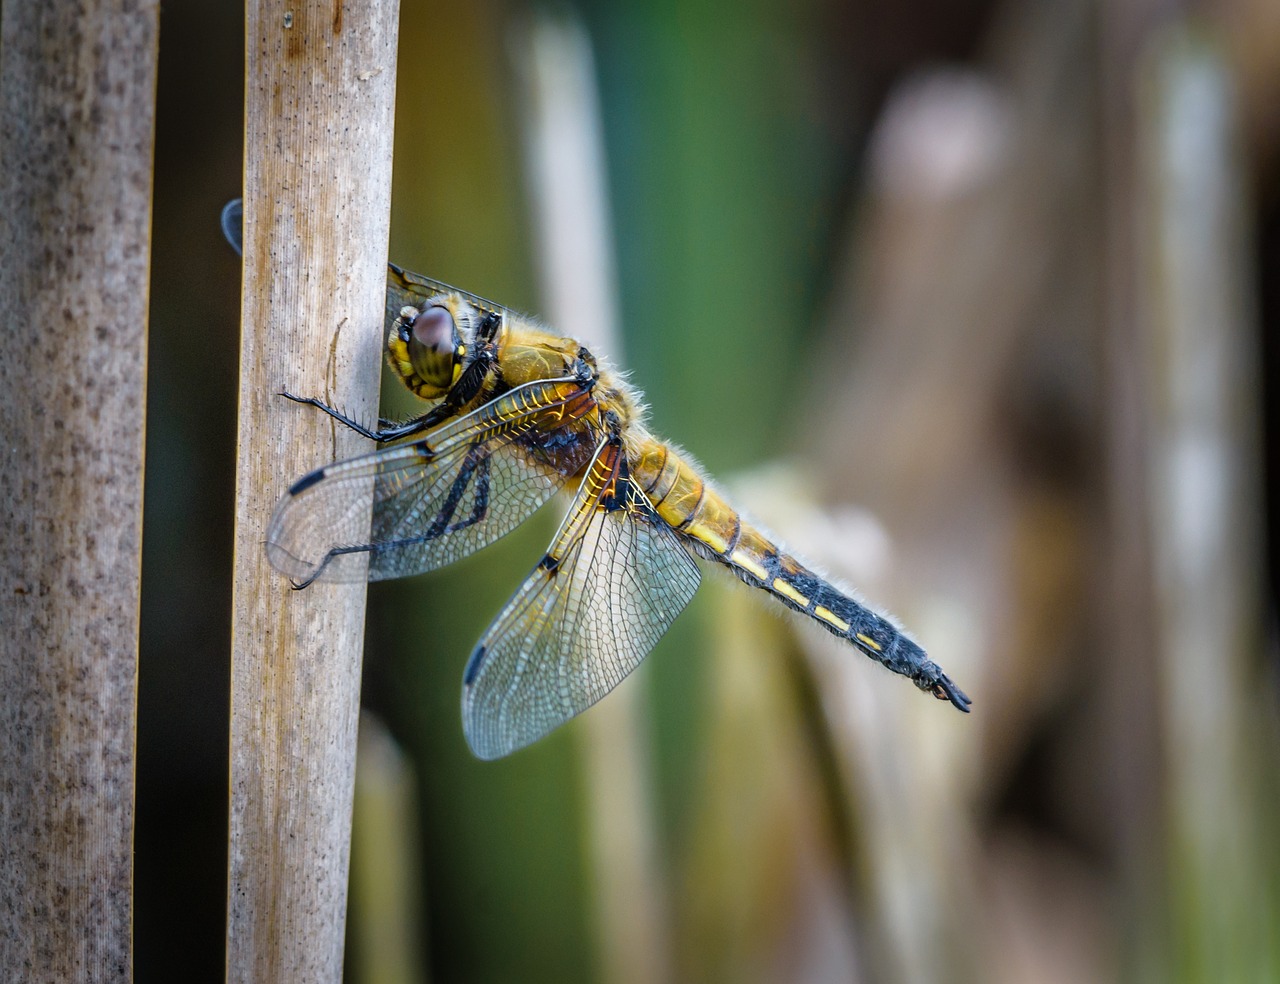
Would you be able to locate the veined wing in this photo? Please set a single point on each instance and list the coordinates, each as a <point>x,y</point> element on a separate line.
<point>614,579</point>
<point>415,507</point>
<point>406,288</point>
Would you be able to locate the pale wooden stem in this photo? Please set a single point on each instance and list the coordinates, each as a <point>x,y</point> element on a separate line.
<point>320,93</point>
<point>77,122</point>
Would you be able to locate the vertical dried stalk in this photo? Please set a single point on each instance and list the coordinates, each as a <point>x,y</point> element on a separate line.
<point>77,120</point>
<point>319,98</point>
<point>1207,552</point>
<point>1130,625</point>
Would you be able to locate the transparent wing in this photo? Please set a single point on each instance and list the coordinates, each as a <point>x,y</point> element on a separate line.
<point>614,579</point>
<point>415,507</point>
<point>406,288</point>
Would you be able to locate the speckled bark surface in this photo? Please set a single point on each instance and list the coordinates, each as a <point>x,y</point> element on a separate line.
<point>76,138</point>
<point>319,100</point>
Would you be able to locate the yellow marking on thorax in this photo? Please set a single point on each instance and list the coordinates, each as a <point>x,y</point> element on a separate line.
<point>523,362</point>
<point>831,618</point>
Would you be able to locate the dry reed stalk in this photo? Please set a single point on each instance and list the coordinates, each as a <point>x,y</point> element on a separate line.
<point>77,117</point>
<point>320,93</point>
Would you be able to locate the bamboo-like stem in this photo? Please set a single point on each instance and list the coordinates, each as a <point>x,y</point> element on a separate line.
<point>1127,577</point>
<point>77,118</point>
<point>1205,507</point>
<point>320,94</point>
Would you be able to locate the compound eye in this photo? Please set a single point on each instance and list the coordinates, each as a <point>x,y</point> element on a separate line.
<point>434,346</point>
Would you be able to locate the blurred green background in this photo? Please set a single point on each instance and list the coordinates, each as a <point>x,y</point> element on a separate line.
<point>973,302</point>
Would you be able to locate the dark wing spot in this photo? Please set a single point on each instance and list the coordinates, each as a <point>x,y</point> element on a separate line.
<point>306,481</point>
<point>473,666</point>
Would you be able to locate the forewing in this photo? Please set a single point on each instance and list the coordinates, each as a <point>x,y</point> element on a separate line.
<point>406,288</point>
<point>611,584</point>
<point>415,507</point>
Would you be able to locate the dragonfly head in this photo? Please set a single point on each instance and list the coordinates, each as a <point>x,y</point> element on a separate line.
<point>426,348</point>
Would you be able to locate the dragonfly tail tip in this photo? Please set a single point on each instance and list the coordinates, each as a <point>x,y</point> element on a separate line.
<point>944,689</point>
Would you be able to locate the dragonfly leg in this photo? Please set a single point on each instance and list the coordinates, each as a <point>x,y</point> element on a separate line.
<point>462,392</point>
<point>388,430</point>
<point>310,579</point>
<point>476,465</point>
<point>481,507</point>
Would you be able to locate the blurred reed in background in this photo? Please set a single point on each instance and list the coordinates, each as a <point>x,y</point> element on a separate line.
<point>965,302</point>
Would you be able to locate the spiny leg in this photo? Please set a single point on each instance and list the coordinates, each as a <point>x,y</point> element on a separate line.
<point>388,430</point>
<point>462,392</point>
<point>476,461</point>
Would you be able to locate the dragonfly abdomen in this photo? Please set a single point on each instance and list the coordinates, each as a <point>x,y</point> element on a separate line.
<point>716,530</point>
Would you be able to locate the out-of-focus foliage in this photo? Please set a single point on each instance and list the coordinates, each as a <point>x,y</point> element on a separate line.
<point>937,263</point>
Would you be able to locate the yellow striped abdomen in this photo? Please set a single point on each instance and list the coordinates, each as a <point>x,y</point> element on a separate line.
<point>713,528</point>
<point>684,499</point>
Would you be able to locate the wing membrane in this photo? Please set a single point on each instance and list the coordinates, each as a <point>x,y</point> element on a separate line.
<point>415,507</point>
<point>613,581</point>
<point>404,287</point>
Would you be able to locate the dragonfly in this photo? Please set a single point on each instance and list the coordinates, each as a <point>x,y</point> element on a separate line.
<point>517,413</point>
